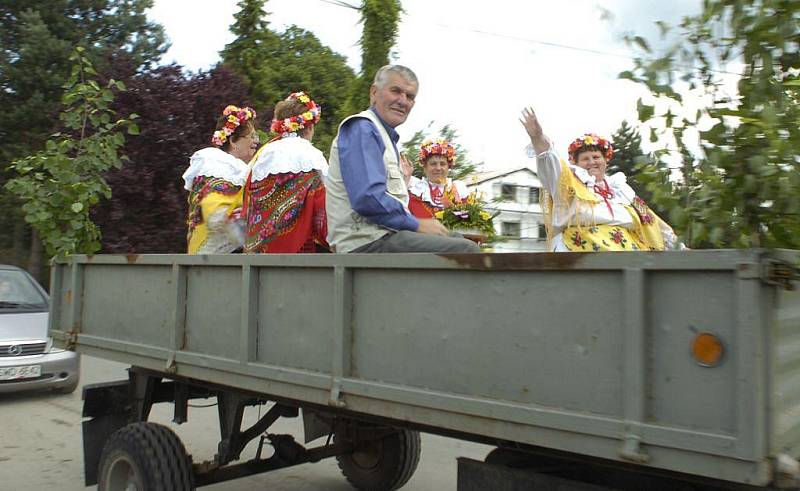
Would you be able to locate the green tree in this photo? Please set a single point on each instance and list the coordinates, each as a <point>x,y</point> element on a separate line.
<point>309,65</point>
<point>630,159</point>
<point>59,184</point>
<point>627,151</point>
<point>380,20</point>
<point>740,189</point>
<point>276,64</point>
<point>37,37</point>
<point>464,166</point>
<point>249,53</point>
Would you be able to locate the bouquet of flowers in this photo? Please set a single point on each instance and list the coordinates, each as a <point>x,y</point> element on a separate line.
<point>469,217</point>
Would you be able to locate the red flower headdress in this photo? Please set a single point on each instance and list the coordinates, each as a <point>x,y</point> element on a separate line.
<point>437,147</point>
<point>297,123</point>
<point>591,140</point>
<point>236,116</point>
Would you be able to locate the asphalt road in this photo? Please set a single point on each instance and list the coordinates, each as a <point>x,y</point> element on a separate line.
<point>41,446</point>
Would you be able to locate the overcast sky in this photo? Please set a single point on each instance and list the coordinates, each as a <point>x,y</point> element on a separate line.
<point>479,63</point>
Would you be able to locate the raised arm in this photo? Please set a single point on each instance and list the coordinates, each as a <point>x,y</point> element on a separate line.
<point>548,165</point>
<point>534,128</point>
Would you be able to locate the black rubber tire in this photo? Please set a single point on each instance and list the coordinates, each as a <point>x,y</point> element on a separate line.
<point>149,456</point>
<point>385,464</point>
<point>509,458</point>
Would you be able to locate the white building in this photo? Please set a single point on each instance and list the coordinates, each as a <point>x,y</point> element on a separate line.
<point>515,194</point>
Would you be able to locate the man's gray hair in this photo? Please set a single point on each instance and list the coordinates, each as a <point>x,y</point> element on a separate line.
<point>382,75</point>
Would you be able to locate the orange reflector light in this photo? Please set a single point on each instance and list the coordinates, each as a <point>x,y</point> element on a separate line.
<point>707,349</point>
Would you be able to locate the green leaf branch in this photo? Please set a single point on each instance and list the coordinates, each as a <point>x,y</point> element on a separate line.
<point>59,185</point>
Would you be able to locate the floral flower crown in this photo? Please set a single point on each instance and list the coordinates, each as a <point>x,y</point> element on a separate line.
<point>236,116</point>
<point>296,123</point>
<point>437,147</point>
<point>591,140</point>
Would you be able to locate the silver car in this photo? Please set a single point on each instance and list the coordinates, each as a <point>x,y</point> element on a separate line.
<point>28,360</point>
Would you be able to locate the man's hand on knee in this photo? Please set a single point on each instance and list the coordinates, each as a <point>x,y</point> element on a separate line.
<point>432,226</point>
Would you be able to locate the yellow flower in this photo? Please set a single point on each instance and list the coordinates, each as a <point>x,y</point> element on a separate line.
<point>308,116</point>
<point>233,119</point>
<point>304,99</point>
<point>485,215</point>
<point>439,214</point>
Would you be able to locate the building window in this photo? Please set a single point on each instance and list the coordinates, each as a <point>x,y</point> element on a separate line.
<point>542,232</point>
<point>509,229</point>
<point>507,192</point>
<point>534,196</point>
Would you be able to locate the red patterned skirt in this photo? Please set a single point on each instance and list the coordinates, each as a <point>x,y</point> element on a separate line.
<point>285,213</point>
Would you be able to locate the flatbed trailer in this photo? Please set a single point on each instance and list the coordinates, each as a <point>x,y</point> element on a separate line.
<point>565,361</point>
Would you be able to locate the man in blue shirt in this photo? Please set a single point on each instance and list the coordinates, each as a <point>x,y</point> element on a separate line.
<point>367,195</point>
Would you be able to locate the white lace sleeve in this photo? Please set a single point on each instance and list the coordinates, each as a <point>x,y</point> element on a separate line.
<point>548,166</point>
<point>671,242</point>
<point>222,229</point>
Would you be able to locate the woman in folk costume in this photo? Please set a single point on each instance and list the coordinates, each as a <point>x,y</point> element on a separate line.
<point>214,180</point>
<point>584,209</point>
<point>435,191</point>
<point>284,198</point>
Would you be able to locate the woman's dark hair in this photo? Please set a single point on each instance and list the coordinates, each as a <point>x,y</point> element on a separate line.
<point>287,109</point>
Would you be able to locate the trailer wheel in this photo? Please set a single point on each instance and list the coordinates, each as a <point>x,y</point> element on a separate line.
<point>382,464</point>
<point>508,458</point>
<point>144,457</point>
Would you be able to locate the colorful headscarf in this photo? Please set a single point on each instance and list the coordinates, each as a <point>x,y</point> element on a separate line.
<point>437,147</point>
<point>294,124</point>
<point>590,140</point>
<point>236,116</point>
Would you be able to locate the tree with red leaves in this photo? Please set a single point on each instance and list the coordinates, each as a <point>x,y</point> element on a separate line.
<point>148,207</point>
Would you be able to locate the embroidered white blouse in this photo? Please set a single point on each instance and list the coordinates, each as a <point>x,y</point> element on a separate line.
<point>289,154</point>
<point>224,235</point>
<point>421,188</point>
<point>213,162</point>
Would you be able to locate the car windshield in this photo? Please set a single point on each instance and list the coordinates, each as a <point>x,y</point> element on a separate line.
<point>17,290</point>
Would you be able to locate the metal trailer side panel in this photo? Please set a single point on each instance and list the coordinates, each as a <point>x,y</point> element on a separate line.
<point>785,358</point>
<point>492,345</point>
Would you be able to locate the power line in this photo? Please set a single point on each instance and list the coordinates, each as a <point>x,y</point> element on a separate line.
<point>341,3</point>
<point>564,46</point>
<point>535,41</point>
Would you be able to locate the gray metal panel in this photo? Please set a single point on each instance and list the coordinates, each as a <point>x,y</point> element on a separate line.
<point>683,393</point>
<point>786,354</point>
<point>213,310</point>
<point>295,317</point>
<point>58,299</point>
<point>514,336</point>
<point>129,303</point>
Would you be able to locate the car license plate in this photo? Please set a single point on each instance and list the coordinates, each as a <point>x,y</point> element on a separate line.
<point>17,373</point>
